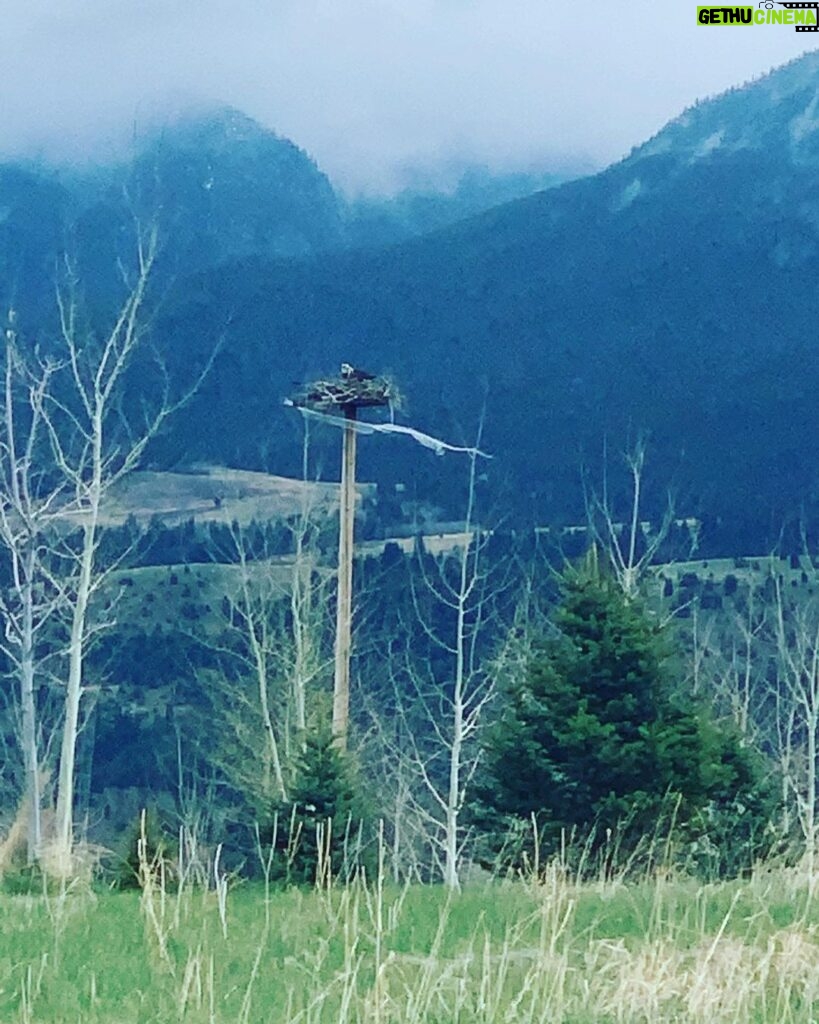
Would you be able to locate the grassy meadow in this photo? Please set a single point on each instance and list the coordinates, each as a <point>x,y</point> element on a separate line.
<point>660,950</point>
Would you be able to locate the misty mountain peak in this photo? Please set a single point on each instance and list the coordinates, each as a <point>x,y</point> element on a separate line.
<point>223,132</point>
<point>780,110</point>
<point>237,188</point>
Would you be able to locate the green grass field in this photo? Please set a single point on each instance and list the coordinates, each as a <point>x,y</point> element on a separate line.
<point>661,950</point>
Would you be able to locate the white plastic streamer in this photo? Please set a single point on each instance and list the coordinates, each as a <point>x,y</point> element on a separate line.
<point>363,427</point>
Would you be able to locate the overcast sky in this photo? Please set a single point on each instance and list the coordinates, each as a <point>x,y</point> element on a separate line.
<point>373,87</point>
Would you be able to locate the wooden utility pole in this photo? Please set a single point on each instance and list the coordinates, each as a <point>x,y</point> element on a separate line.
<point>352,390</point>
<point>344,609</point>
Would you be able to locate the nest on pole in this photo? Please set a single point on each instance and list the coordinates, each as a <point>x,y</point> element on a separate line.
<point>352,389</point>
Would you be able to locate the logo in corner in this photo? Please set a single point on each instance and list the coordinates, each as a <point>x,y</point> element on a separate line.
<point>802,14</point>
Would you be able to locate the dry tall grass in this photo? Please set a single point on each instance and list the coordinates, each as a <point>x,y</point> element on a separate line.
<point>553,950</point>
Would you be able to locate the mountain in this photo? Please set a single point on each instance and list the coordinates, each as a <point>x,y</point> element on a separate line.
<point>672,294</point>
<point>219,186</point>
<point>237,189</point>
<point>426,207</point>
<point>222,187</point>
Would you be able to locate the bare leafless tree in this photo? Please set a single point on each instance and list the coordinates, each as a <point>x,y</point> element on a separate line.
<point>29,503</point>
<point>758,662</point>
<point>630,544</point>
<point>308,594</point>
<point>252,613</point>
<point>727,651</point>
<point>97,435</point>
<point>436,744</point>
<point>797,692</point>
<point>274,648</point>
<point>91,453</point>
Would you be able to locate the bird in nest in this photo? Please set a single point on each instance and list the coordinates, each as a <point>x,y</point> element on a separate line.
<point>349,372</point>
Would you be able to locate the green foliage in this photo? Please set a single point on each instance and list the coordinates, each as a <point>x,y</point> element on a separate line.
<point>323,828</point>
<point>591,741</point>
<point>23,880</point>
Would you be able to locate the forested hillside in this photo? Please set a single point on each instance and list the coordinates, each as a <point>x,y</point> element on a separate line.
<point>669,294</point>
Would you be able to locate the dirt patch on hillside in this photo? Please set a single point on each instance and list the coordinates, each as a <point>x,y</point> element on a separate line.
<point>217,494</point>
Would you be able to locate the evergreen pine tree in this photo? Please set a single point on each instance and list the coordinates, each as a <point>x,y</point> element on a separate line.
<point>592,741</point>
<point>324,817</point>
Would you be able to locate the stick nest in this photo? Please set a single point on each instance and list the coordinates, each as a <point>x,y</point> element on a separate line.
<point>356,389</point>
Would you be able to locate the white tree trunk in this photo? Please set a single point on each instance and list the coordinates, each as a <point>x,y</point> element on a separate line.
<point>24,513</point>
<point>260,664</point>
<point>810,795</point>
<point>29,715</point>
<point>64,823</point>
<point>454,795</point>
